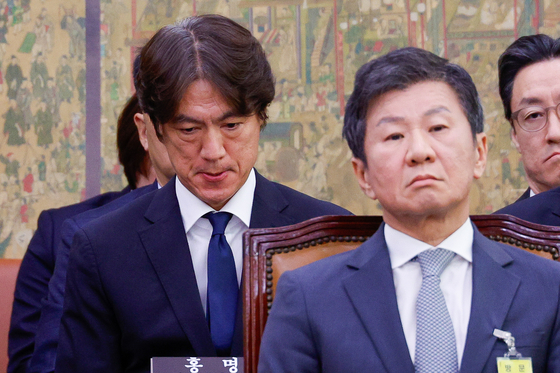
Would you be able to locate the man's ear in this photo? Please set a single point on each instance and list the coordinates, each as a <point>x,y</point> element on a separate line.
<point>361,171</point>
<point>513,136</point>
<point>140,121</point>
<point>481,154</point>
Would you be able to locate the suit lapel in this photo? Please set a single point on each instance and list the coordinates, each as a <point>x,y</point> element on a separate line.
<point>166,244</point>
<point>493,291</point>
<point>268,205</point>
<point>555,206</point>
<point>371,290</point>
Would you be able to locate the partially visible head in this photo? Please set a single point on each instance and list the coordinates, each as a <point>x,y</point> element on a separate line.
<point>529,73</point>
<point>396,71</point>
<point>207,47</point>
<point>132,155</point>
<point>414,123</point>
<point>204,84</point>
<point>156,150</point>
<point>525,51</point>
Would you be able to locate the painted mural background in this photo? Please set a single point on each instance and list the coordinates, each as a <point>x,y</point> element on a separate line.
<point>315,48</point>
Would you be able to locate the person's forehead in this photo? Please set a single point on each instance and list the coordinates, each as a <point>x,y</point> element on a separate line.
<point>537,83</point>
<point>422,96</point>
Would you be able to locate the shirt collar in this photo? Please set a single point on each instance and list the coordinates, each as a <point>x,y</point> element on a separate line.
<point>240,205</point>
<point>402,247</point>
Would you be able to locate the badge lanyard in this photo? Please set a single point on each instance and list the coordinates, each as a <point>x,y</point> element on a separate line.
<point>512,362</point>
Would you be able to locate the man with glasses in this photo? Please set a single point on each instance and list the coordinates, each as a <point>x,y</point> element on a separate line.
<point>529,80</point>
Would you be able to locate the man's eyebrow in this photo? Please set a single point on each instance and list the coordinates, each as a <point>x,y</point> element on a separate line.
<point>183,118</point>
<point>531,101</point>
<point>436,110</point>
<point>389,120</point>
<point>433,111</point>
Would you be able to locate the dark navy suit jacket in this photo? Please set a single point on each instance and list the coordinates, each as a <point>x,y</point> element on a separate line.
<point>46,339</point>
<point>543,208</point>
<point>35,272</point>
<point>340,314</point>
<point>131,292</point>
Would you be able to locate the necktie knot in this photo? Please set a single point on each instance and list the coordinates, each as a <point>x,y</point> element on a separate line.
<point>433,262</point>
<point>219,221</point>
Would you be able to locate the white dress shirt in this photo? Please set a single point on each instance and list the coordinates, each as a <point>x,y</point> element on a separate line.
<point>199,229</point>
<point>456,280</point>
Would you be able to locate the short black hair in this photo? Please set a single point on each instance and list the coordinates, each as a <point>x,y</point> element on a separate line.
<point>399,70</point>
<point>209,47</point>
<point>523,52</point>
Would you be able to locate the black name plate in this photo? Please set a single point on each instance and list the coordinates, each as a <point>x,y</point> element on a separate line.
<point>197,365</point>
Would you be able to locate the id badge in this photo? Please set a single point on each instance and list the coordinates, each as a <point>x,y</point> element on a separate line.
<point>515,365</point>
<point>512,362</point>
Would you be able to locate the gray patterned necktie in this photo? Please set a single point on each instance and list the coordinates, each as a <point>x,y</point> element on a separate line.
<point>436,350</point>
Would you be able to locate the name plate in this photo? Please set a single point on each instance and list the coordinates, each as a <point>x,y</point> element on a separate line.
<point>196,365</point>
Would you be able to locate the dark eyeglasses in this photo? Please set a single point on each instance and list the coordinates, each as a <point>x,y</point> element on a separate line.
<point>533,118</point>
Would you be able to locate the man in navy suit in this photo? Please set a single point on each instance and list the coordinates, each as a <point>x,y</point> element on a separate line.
<point>46,339</point>
<point>427,292</point>
<point>529,80</point>
<point>38,263</point>
<point>139,280</point>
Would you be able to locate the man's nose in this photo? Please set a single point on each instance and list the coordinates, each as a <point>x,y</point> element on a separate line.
<point>212,145</point>
<point>419,148</point>
<point>553,127</point>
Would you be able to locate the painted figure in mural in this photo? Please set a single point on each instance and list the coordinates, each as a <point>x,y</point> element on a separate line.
<point>215,87</point>
<point>44,32</point>
<point>77,34</point>
<point>529,80</point>
<point>42,169</point>
<point>27,181</point>
<point>14,77</point>
<point>415,125</point>
<point>81,81</point>
<point>39,76</point>
<point>65,80</point>
<point>3,32</point>
<point>52,98</point>
<point>24,99</point>
<point>14,125</point>
<point>12,165</point>
<point>17,16</point>
<point>43,125</point>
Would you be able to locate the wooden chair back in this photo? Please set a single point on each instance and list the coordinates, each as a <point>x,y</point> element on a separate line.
<point>269,252</point>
